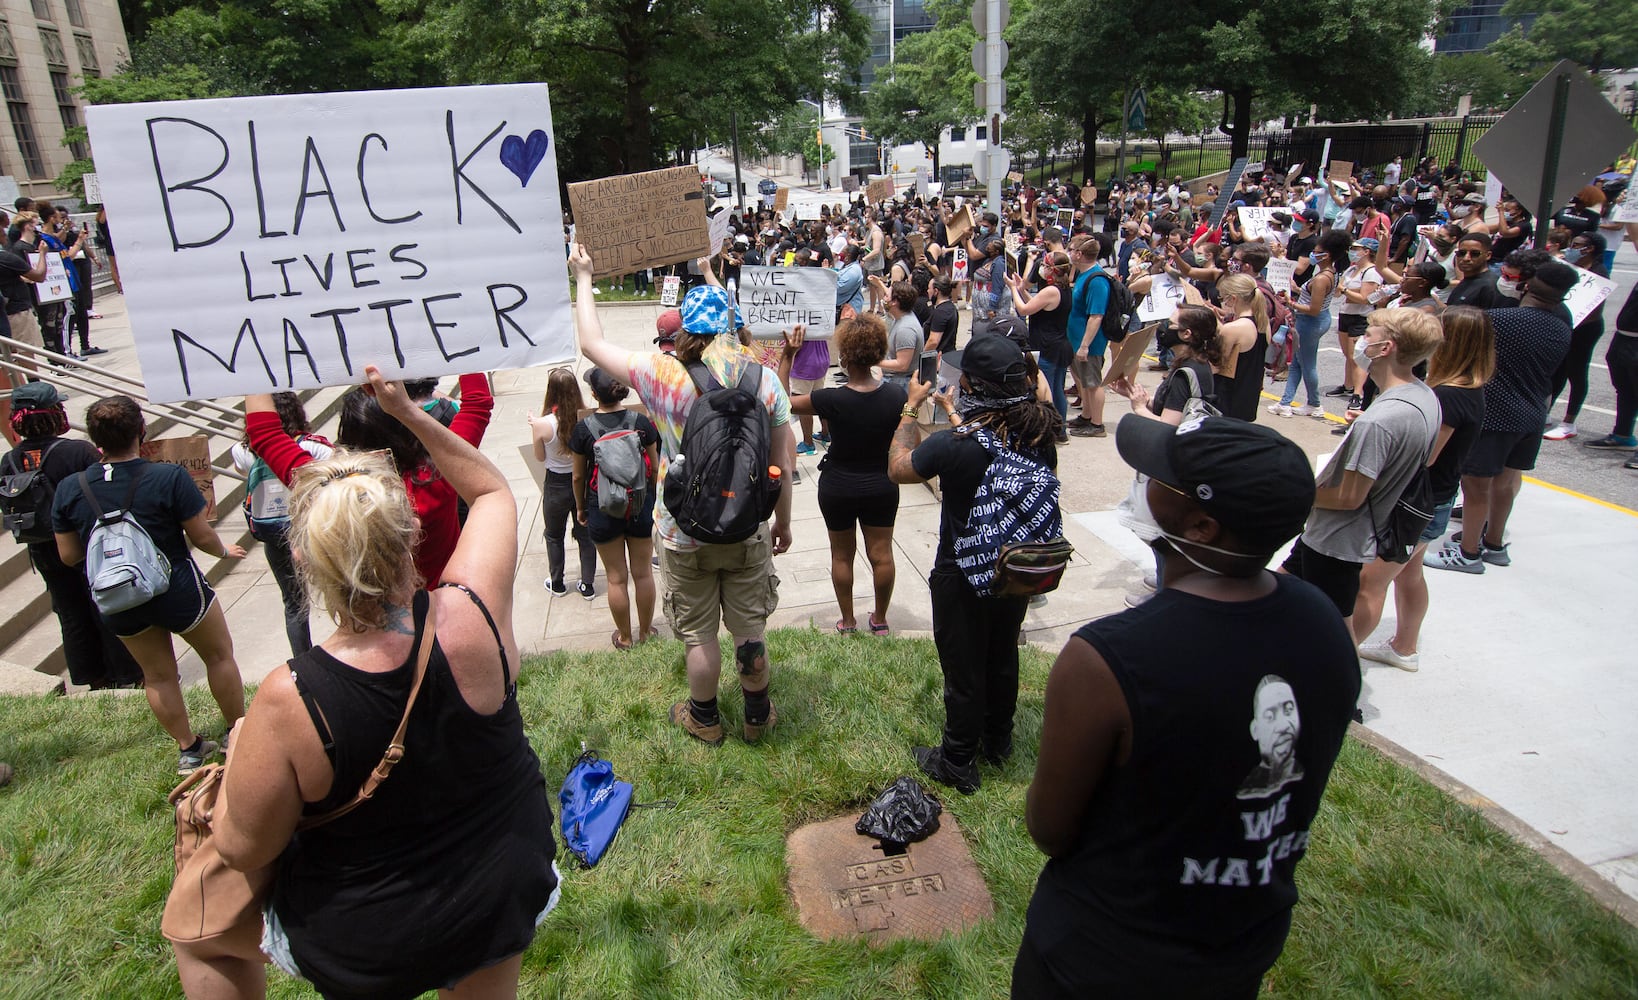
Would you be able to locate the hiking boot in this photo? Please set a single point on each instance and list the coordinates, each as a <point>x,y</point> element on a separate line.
<point>1383,652</point>
<point>1453,558</point>
<point>933,763</point>
<point>683,716</point>
<point>193,758</point>
<point>754,731</point>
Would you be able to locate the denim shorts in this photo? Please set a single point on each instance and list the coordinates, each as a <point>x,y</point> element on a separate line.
<point>1441,521</point>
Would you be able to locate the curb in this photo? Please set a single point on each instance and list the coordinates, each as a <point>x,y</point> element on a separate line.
<point>1595,885</point>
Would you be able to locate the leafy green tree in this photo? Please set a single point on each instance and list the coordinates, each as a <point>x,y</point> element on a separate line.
<point>635,82</point>
<point>1599,36</point>
<point>911,101</point>
<point>1355,60</point>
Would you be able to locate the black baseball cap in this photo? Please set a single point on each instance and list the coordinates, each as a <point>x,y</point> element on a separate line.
<point>991,357</point>
<point>1256,483</point>
<point>36,396</point>
<point>1558,276</point>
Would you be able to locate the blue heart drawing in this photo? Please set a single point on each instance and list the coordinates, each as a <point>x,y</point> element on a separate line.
<point>522,157</point>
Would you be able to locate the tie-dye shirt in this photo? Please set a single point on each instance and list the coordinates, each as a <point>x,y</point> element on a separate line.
<point>662,383</point>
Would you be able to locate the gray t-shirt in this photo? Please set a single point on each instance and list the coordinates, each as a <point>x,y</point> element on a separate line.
<point>906,332</point>
<point>1387,444</point>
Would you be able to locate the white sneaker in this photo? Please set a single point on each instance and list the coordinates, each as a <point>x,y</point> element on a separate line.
<point>1307,410</point>
<point>1279,409</point>
<point>1150,581</point>
<point>596,290</point>
<point>1562,432</point>
<point>1383,652</point>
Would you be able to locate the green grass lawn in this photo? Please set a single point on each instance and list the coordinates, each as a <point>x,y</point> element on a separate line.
<point>1406,893</point>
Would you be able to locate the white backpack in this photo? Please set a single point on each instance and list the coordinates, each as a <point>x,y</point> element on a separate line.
<point>122,563</point>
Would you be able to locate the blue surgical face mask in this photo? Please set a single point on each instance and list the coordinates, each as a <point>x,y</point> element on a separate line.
<point>1316,258</point>
<point>1572,254</point>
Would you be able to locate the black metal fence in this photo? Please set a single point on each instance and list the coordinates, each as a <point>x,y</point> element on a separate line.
<point>1371,146</point>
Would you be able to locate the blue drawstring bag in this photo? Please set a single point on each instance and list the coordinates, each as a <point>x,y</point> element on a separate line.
<point>592,805</point>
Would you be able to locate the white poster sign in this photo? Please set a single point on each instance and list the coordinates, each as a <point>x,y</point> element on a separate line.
<point>719,229</point>
<point>776,299</point>
<point>958,264</point>
<point>1254,221</point>
<point>93,189</point>
<point>9,192</point>
<point>416,230</point>
<point>1165,295</point>
<point>1282,275</point>
<point>54,287</point>
<point>1588,294</point>
<point>670,289</point>
<point>1492,189</point>
<point>1626,206</point>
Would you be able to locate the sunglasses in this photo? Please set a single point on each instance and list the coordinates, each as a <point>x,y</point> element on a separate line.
<point>1472,253</point>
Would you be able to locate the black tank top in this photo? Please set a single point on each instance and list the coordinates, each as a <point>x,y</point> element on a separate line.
<point>444,871</point>
<point>1182,876</point>
<point>1049,331</point>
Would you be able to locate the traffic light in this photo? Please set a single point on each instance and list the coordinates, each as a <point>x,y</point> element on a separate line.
<point>819,138</point>
<point>862,133</point>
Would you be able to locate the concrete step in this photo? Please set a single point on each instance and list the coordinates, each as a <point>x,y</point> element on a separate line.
<point>31,659</point>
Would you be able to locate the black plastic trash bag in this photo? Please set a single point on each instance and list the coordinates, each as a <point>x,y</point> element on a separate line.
<point>902,814</point>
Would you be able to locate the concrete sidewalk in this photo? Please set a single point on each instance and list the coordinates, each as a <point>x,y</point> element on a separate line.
<point>1525,692</point>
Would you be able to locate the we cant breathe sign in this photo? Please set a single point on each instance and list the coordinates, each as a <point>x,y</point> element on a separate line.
<point>272,243</point>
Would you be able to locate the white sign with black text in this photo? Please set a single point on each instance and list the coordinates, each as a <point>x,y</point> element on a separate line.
<point>776,299</point>
<point>285,242</point>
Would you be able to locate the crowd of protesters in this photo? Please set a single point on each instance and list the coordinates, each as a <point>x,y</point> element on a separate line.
<point>1456,339</point>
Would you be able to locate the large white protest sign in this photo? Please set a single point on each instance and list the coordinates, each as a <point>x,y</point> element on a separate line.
<point>1589,292</point>
<point>54,287</point>
<point>93,188</point>
<point>1492,189</point>
<point>775,299</point>
<point>1626,206</point>
<point>1282,275</point>
<point>1165,295</point>
<point>286,242</point>
<point>718,227</point>
<point>1254,221</point>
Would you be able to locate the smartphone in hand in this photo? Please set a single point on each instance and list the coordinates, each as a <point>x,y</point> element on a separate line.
<point>928,371</point>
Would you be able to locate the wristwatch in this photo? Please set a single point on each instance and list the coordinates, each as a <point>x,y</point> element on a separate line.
<point>908,411</point>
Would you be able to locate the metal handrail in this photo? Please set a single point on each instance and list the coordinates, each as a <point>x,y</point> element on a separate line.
<point>65,364</point>
<point>229,470</point>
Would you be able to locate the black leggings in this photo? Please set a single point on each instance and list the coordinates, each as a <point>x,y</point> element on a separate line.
<point>81,320</point>
<point>1573,370</point>
<point>1622,358</point>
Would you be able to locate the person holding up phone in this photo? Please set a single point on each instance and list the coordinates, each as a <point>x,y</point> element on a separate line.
<point>854,488</point>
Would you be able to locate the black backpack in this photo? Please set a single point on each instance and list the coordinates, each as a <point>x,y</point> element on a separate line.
<point>1120,310</point>
<point>25,498</point>
<point>718,489</point>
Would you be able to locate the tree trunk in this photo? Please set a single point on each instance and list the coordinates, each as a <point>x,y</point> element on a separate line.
<point>1089,146</point>
<point>1240,134</point>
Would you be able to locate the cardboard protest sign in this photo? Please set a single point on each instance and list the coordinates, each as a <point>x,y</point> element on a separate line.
<point>1129,354</point>
<point>1066,219</point>
<point>1589,292</point>
<point>880,190</point>
<point>54,287</point>
<point>192,453</point>
<point>641,220</point>
<point>1089,197</point>
<point>782,197</point>
<point>918,247</point>
<point>1013,241</point>
<point>670,290</point>
<point>850,184</point>
<point>1014,177</point>
<point>1282,275</point>
<point>318,233</point>
<point>776,299</point>
<point>93,189</point>
<point>1254,221</point>
<point>1340,170</point>
<point>1165,295</point>
<point>958,264</point>
<point>960,224</point>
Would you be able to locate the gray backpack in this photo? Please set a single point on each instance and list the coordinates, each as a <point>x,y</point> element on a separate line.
<point>125,567</point>
<point>620,469</point>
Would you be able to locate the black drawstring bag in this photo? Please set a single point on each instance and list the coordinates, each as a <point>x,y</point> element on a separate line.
<point>902,814</point>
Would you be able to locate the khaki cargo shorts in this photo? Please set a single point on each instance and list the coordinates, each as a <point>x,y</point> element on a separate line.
<point>734,585</point>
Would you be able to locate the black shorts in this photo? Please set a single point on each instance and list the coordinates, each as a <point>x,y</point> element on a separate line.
<point>1337,579</point>
<point>1352,324</point>
<point>178,610</point>
<point>845,500</point>
<point>1498,450</point>
<point>640,524</point>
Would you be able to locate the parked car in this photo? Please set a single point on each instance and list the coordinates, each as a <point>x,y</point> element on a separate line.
<point>767,188</point>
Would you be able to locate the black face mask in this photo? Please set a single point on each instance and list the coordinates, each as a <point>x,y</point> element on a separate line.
<point>1168,338</point>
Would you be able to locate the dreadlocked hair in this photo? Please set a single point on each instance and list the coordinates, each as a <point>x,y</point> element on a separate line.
<point>1031,424</point>
<point>49,422</point>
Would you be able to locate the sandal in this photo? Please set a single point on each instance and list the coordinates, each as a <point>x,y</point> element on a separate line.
<point>877,628</point>
<point>846,629</point>
<point>621,645</point>
<point>653,634</point>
